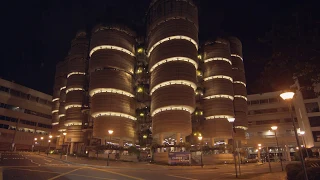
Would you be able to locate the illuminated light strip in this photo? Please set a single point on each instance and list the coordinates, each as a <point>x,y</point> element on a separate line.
<point>56,123</point>
<point>61,115</point>
<point>219,96</point>
<point>172,38</point>
<point>174,82</point>
<point>63,88</point>
<point>219,117</point>
<point>110,90</point>
<point>174,59</point>
<point>72,124</point>
<point>241,127</point>
<point>62,130</point>
<point>218,77</point>
<point>55,99</point>
<point>236,55</point>
<point>240,82</point>
<point>173,108</point>
<point>240,96</point>
<point>74,89</point>
<point>74,73</point>
<point>72,106</point>
<point>54,111</point>
<point>218,59</point>
<point>108,113</point>
<point>111,47</point>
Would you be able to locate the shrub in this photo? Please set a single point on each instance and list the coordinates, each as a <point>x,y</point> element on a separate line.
<point>293,170</point>
<point>313,174</point>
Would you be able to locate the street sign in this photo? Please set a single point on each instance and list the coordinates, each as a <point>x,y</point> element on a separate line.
<point>179,158</point>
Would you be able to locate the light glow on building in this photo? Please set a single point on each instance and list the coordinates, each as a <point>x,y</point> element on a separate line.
<point>173,108</point>
<point>109,113</point>
<point>218,77</point>
<point>75,73</point>
<point>174,82</point>
<point>173,38</point>
<point>109,90</point>
<point>111,48</point>
<point>218,59</point>
<point>185,59</point>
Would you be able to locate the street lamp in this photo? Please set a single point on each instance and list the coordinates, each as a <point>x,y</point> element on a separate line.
<point>231,120</point>
<point>274,128</point>
<point>288,96</point>
<point>200,139</point>
<point>304,142</point>
<point>259,156</point>
<point>110,134</point>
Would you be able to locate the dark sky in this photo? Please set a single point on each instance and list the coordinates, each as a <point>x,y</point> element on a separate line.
<point>37,34</point>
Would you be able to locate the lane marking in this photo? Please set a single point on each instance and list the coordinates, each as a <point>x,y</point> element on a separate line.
<point>47,160</point>
<point>35,170</point>
<point>90,176</point>
<point>181,177</point>
<point>65,173</point>
<point>120,174</point>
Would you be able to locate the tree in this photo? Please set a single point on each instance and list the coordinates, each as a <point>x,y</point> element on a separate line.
<point>295,47</point>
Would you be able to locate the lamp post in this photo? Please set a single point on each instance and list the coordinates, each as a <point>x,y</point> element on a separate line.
<point>231,120</point>
<point>304,142</point>
<point>64,136</point>
<point>274,128</point>
<point>110,134</point>
<point>259,156</point>
<point>41,138</point>
<point>200,139</point>
<point>288,96</point>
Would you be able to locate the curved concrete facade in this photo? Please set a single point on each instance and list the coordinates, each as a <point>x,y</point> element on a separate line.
<point>111,69</point>
<point>172,35</point>
<point>76,61</point>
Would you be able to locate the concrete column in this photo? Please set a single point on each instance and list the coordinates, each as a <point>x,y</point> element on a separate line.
<point>212,142</point>
<point>178,136</point>
<point>71,148</point>
<point>121,142</point>
<point>259,156</point>
<point>287,152</point>
<point>160,140</point>
<point>226,145</point>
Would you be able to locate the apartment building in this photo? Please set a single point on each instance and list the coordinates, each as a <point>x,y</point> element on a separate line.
<point>25,117</point>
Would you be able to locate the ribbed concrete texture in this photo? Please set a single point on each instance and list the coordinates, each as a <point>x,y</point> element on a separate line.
<point>112,52</point>
<point>172,45</point>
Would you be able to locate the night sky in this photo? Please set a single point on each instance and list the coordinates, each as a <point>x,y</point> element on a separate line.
<point>37,34</point>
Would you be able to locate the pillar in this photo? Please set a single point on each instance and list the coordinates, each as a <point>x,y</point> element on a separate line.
<point>287,153</point>
<point>71,148</point>
<point>259,157</point>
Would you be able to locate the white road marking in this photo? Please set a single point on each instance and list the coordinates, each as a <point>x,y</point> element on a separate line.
<point>181,177</point>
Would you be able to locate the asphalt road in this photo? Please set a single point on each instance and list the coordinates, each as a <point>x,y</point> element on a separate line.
<point>34,167</point>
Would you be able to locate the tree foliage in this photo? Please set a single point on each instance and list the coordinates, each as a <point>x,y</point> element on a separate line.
<point>295,50</point>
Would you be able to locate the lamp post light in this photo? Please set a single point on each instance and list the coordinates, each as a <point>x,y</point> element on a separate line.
<point>304,142</point>
<point>34,142</point>
<point>274,128</point>
<point>288,96</point>
<point>110,134</point>
<point>200,139</point>
<point>231,120</point>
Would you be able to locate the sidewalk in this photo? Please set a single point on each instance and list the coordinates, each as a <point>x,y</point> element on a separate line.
<point>102,163</point>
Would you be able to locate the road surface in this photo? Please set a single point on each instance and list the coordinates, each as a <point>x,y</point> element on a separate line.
<point>22,166</point>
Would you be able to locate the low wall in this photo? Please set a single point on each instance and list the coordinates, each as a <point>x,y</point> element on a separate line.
<point>161,157</point>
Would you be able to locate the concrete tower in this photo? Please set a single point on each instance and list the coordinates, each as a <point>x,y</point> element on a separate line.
<point>112,58</point>
<point>172,48</point>
<point>75,91</point>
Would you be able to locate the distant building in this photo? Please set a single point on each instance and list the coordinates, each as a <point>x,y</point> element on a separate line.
<point>25,114</point>
<point>268,109</point>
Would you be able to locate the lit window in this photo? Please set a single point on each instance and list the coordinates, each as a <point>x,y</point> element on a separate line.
<point>241,127</point>
<point>140,50</point>
<point>218,59</point>
<point>199,73</point>
<point>75,73</point>
<point>139,89</point>
<point>173,108</point>
<point>236,55</point>
<point>218,77</point>
<point>112,48</point>
<point>199,56</point>
<point>109,90</point>
<point>107,113</point>
<point>55,99</point>
<point>74,89</point>
<point>240,96</point>
<point>72,106</point>
<point>240,82</point>
<point>54,111</point>
<point>141,114</point>
<point>174,82</point>
<point>173,38</point>
<point>219,117</point>
<point>193,62</point>
<point>62,88</point>
<point>219,96</point>
<point>139,70</point>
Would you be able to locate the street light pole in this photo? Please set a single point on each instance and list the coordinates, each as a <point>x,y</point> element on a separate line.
<point>200,139</point>
<point>274,128</point>
<point>110,133</point>
<point>289,96</point>
<point>304,142</point>
<point>231,120</point>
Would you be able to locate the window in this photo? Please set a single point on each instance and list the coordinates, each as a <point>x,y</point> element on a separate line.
<point>264,101</point>
<point>316,136</point>
<point>314,121</point>
<point>254,102</point>
<point>263,111</point>
<point>10,119</point>
<point>273,100</point>
<point>27,111</point>
<point>312,107</point>
<point>290,120</point>
<point>275,121</point>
